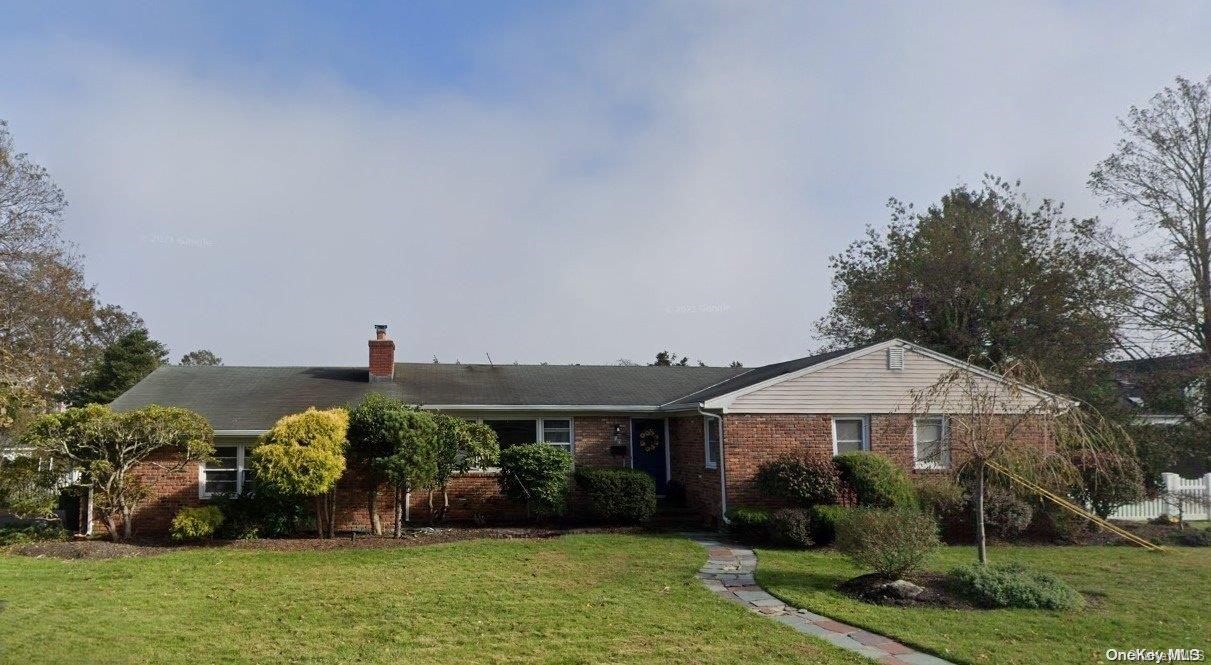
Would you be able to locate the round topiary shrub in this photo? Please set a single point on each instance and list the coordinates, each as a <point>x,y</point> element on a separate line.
<point>618,496</point>
<point>803,481</point>
<point>196,523</point>
<point>876,480</point>
<point>536,475</point>
<point>891,542</point>
<point>1014,586</point>
<point>1006,516</point>
<point>791,527</point>
<point>822,521</point>
<point>749,524</point>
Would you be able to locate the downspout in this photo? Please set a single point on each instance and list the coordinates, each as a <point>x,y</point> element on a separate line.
<point>722,479</point>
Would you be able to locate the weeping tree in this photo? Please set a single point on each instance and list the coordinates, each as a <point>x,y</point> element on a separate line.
<point>461,445</point>
<point>304,455</point>
<point>108,447</point>
<point>1051,441</point>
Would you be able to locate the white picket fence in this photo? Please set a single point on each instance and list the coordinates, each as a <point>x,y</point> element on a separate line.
<point>1196,505</point>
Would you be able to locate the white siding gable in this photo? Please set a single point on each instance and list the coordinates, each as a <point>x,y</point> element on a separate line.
<point>861,384</point>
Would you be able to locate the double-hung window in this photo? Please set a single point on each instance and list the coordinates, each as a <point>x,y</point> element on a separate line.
<point>930,449</point>
<point>558,433</point>
<point>850,434</point>
<point>711,425</point>
<point>226,473</point>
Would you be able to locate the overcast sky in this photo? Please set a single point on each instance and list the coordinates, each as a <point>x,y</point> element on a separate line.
<point>543,182</point>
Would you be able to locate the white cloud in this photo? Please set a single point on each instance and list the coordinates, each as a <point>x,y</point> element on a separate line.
<point>676,182</point>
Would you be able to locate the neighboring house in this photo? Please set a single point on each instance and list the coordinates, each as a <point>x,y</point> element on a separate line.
<point>700,432</point>
<point>1166,390</point>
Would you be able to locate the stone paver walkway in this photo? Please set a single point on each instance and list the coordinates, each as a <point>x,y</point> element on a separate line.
<point>729,572</point>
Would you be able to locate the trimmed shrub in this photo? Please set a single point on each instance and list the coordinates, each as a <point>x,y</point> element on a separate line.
<point>891,542</point>
<point>1055,525</point>
<point>803,481</point>
<point>1006,516</point>
<point>262,514</point>
<point>1192,538</point>
<point>946,501</point>
<point>626,496</point>
<point>876,480</point>
<point>749,524</point>
<point>823,522</point>
<point>196,523</point>
<point>1014,586</point>
<point>536,475</point>
<point>20,534</point>
<point>791,527</point>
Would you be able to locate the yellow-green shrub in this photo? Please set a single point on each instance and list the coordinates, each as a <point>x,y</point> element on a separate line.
<point>196,523</point>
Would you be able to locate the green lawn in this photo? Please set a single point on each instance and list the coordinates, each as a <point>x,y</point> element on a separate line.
<point>587,598</point>
<point>1140,599</point>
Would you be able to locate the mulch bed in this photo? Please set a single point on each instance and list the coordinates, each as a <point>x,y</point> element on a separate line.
<point>936,594</point>
<point>104,549</point>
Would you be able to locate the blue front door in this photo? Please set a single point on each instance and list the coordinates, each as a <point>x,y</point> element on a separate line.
<point>649,451</point>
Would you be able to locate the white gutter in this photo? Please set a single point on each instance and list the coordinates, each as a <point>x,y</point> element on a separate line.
<point>722,478</point>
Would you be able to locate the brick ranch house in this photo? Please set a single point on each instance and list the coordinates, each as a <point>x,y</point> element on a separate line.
<point>700,432</point>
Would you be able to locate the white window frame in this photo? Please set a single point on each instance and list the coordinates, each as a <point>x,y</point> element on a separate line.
<point>944,445</point>
<point>241,469</point>
<point>570,446</point>
<point>707,422</point>
<point>539,434</point>
<point>865,445</point>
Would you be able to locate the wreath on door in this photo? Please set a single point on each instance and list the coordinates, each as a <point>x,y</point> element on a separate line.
<point>649,440</point>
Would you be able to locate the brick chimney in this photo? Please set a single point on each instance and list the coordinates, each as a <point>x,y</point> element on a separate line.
<point>382,355</point>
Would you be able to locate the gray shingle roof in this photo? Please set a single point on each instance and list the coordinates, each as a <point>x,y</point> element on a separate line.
<point>253,398</point>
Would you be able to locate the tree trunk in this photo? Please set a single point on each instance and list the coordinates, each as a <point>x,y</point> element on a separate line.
<point>376,523</point>
<point>445,503</point>
<point>126,526</point>
<point>981,540</point>
<point>319,516</point>
<point>332,513</point>
<point>399,514</point>
<point>432,517</point>
<point>113,528</point>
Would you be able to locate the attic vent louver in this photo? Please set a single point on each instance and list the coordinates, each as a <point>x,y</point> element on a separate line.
<point>895,358</point>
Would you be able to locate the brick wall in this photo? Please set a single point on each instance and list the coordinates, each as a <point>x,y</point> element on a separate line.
<point>473,497</point>
<point>750,440</point>
<point>687,457</point>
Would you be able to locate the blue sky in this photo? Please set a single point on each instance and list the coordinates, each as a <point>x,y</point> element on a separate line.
<point>545,181</point>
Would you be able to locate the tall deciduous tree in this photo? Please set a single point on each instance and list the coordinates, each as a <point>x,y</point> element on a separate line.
<point>1161,171</point>
<point>106,447</point>
<point>201,358</point>
<point>303,454</point>
<point>121,366</point>
<point>52,325</point>
<point>982,277</point>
